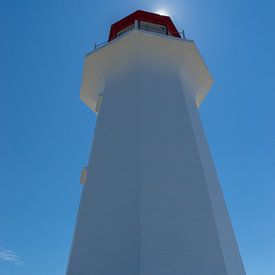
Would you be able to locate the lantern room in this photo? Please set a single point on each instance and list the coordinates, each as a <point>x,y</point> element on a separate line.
<point>146,21</point>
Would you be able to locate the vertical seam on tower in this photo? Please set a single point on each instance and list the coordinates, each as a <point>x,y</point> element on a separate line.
<point>202,167</point>
<point>218,228</point>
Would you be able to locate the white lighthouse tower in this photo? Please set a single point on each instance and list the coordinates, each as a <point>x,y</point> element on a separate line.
<point>151,203</point>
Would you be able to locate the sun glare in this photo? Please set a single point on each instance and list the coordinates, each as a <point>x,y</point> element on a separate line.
<point>162,12</point>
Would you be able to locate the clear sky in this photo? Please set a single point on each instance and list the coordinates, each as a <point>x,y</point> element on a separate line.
<point>46,131</point>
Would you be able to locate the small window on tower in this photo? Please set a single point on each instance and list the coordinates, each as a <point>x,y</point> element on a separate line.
<point>151,27</point>
<point>125,30</point>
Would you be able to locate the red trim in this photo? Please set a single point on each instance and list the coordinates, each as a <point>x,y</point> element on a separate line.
<point>140,15</point>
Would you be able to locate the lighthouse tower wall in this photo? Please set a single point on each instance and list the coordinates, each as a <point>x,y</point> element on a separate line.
<point>152,203</point>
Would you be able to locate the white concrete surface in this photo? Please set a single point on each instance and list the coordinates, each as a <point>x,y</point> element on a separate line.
<point>152,204</point>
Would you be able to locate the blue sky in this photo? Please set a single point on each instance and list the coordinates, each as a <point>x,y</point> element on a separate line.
<point>46,131</point>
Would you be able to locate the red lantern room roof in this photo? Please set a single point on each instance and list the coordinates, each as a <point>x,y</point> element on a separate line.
<point>146,21</point>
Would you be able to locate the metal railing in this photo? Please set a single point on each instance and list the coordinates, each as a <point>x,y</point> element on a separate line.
<point>136,26</point>
<point>100,44</point>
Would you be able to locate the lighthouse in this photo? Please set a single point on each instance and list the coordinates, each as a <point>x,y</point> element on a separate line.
<point>151,202</point>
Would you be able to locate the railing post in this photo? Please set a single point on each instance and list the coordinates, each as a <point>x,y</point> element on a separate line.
<point>183,34</point>
<point>136,24</point>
